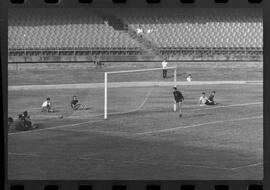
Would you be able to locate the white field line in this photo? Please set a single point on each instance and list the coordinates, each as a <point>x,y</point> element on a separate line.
<point>124,84</point>
<point>87,122</point>
<point>145,162</point>
<point>190,106</point>
<point>109,133</point>
<point>247,166</point>
<point>23,154</point>
<point>35,108</point>
<point>94,116</point>
<point>50,128</point>
<point>216,107</point>
<point>198,125</point>
<point>128,134</point>
<point>124,112</point>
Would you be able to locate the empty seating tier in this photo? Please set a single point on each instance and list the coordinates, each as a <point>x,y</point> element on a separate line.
<point>54,29</point>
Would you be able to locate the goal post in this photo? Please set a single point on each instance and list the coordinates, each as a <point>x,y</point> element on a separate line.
<point>106,74</point>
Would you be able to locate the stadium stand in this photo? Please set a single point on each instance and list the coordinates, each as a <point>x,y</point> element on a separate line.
<point>167,32</point>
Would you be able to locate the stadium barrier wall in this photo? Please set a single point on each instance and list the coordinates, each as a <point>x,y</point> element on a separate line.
<point>105,58</point>
<point>133,65</point>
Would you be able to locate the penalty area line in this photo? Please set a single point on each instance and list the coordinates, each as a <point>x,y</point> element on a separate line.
<point>233,105</point>
<point>198,125</point>
<point>119,113</point>
<point>86,122</point>
<point>247,166</point>
<point>23,154</point>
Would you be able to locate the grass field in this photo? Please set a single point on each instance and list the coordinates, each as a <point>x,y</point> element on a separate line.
<point>142,138</point>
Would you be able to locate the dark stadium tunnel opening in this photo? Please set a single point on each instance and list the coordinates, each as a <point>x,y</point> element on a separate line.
<point>52,1</point>
<point>119,1</point>
<point>85,187</point>
<point>221,1</point>
<point>255,187</point>
<point>51,187</point>
<point>187,1</point>
<point>17,1</point>
<point>119,187</point>
<point>255,1</point>
<point>153,1</point>
<point>187,187</point>
<point>17,187</point>
<point>221,187</point>
<point>153,187</point>
<point>85,1</point>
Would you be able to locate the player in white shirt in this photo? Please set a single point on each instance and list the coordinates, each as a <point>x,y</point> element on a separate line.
<point>47,105</point>
<point>189,78</point>
<point>139,31</point>
<point>203,99</point>
<point>149,31</point>
<point>164,66</point>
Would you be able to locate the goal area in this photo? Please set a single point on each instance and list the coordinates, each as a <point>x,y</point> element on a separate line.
<point>130,79</point>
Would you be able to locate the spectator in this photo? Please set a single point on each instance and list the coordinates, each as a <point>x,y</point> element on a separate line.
<point>139,31</point>
<point>164,66</point>
<point>98,63</point>
<point>149,31</point>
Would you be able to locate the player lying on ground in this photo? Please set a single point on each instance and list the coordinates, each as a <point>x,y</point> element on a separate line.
<point>211,98</point>
<point>47,105</point>
<point>207,101</point>
<point>75,104</point>
<point>179,99</point>
<point>23,122</point>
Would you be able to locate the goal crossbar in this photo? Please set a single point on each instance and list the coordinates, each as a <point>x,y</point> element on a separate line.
<point>127,71</point>
<point>139,70</point>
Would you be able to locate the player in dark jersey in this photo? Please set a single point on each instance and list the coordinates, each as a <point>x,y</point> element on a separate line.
<point>179,99</point>
<point>211,99</point>
<point>23,122</point>
<point>75,104</point>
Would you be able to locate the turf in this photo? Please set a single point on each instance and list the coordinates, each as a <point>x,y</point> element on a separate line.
<point>220,142</point>
<point>72,73</point>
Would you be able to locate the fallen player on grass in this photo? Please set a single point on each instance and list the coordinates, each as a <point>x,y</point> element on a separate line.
<point>211,98</point>
<point>207,101</point>
<point>47,105</point>
<point>76,105</point>
<point>24,123</point>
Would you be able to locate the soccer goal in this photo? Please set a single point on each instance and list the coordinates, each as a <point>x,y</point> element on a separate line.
<point>132,81</point>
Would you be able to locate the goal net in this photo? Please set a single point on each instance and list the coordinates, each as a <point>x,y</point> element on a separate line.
<point>128,91</point>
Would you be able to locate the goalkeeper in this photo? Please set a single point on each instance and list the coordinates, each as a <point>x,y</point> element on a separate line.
<point>75,104</point>
<point>179,99</point>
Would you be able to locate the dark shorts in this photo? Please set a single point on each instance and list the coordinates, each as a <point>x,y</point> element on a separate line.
<point>210,103</point>
<point>76,106</point>
<point>23,125</point>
